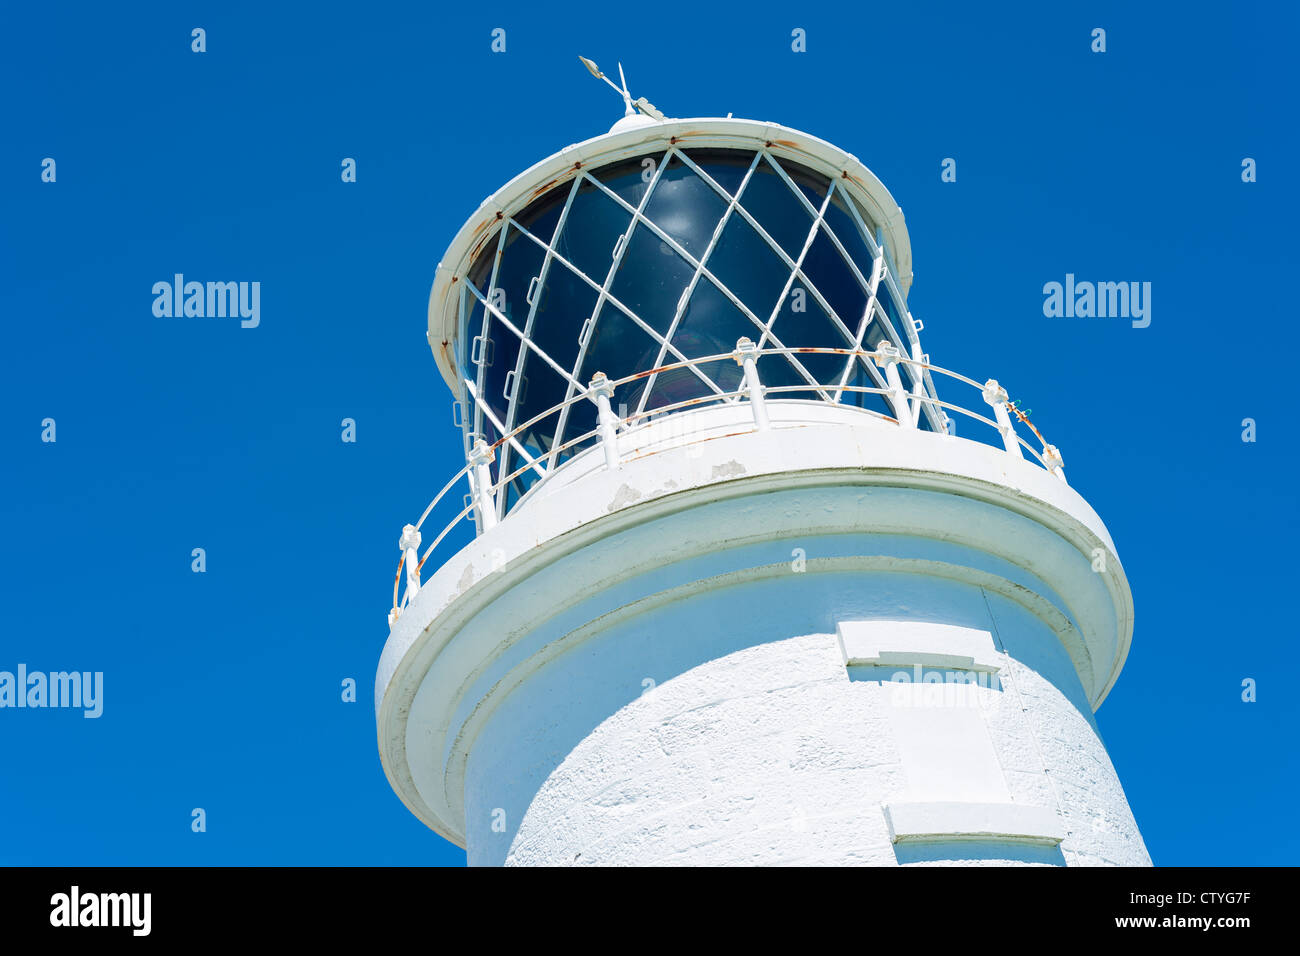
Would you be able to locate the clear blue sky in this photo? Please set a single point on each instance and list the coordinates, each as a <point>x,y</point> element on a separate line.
<point>222,689</point>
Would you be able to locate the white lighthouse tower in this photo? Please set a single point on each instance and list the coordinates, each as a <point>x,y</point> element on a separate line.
<point>753,581</point>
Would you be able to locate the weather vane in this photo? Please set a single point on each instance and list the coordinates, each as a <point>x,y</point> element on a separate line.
<point>641,104</point>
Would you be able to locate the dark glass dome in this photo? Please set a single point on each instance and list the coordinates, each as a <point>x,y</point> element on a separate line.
<point>659,259</point>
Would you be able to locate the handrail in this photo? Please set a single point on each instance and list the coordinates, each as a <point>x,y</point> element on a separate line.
<point>482,501</point>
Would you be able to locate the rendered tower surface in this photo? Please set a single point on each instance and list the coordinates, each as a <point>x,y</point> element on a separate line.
<point>754,582</point>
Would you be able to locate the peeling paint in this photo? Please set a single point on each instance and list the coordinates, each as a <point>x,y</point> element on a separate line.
<point>466,579</point>
<point>730,469</point>
<point>625,496</point>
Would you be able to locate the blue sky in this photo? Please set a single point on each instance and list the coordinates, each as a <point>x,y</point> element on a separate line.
<point>222,689</point>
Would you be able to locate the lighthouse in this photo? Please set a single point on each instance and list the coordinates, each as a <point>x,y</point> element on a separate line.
<point>748,576</point>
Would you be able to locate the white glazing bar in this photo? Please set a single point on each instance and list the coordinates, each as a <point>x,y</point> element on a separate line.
<point>863,230</point>
<point>796,273</point>
<point>889,256</point>
<point>794,187</point>
<point>511,326</point>
<point>820,214</point>
<point>534,296</point>
<point>811,287</point>
<point>614,301</point>
<point>512,411</point>
<point>485,327</point>
<point>483,408</point>
<point>891,283</point>
<point>877,264</point>
<point>880,251</point>
<point>740,207</point>
<point>690,259</point>
<point>790,263</point>
<point>844,253</point>
<point>885,320</point>
<point>513,440</point>
<point>775,246</point>
<point>685,300</point>
<point>718,283</point>
<point>748,217</point>
<point>589,326</point>
<point>819,221</point>
<point>892,289</point>
<point>462,326</point>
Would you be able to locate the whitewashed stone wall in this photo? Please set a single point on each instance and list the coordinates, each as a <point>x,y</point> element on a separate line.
<point>757,747</point>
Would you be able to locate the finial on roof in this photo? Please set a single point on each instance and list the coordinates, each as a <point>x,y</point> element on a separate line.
<point>638,112</point>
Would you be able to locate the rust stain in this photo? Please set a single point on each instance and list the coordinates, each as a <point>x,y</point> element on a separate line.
<point>855,180</point>
<point>558,180</point>
<point>477,248</point>
<point>543,188</point>
<point>485,230</point>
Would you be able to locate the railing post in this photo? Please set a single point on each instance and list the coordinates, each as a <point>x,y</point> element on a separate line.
<point>996,396</point>
<point>746,356</point>
<point>1052,457</point>
<point>480,456</point>
<point>887,357</point>
<point>410,547</point>
<point>602,391</point>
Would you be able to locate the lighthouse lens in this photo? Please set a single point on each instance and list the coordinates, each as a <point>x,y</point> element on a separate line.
<point>639,268</point>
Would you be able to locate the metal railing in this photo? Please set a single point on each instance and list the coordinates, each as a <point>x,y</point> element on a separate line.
<point>481,502</point>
